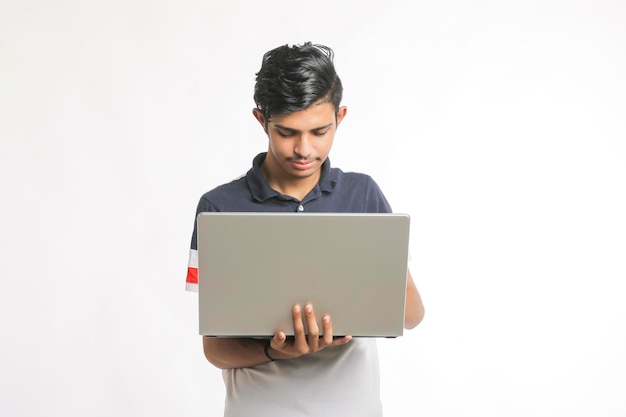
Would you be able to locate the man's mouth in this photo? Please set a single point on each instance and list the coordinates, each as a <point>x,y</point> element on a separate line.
<point>303,164</point>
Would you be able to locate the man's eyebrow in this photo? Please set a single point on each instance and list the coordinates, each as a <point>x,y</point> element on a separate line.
<point>284,128</point>
<point>324,127</point>
<point>289,129</point>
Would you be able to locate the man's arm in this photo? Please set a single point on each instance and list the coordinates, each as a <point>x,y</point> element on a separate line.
<point>234,352</point>
<point>414,310</point>
<point>243,353</point>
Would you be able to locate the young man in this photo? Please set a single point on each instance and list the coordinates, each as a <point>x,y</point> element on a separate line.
<point>298,105</point>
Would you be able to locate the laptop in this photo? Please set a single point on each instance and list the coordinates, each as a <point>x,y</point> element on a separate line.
<point>254,267</point>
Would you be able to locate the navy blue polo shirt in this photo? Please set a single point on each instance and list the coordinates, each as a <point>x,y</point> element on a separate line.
<point>336,192</point>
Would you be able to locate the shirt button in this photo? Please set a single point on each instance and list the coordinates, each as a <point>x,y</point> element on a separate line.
<point>300,207</point>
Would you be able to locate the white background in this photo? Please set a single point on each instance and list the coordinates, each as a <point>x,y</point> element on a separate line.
<point>498,126</point>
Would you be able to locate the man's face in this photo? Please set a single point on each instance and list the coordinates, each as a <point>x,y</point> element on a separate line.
<point>299,143</point>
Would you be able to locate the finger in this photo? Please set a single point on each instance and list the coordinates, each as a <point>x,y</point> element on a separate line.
<point>343,340</point>
<point>279,341</point>
<point>299,336</point>
<point>328,330</point>
<point>314,330</point>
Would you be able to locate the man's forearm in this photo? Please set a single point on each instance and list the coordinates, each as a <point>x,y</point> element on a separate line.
<point>227,353</point>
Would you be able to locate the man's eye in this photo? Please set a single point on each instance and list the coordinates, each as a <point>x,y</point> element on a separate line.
<point>284,134</point>
<point>321,133</point>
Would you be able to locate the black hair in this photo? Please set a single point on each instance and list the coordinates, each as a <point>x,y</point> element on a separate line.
<point>292,78</point>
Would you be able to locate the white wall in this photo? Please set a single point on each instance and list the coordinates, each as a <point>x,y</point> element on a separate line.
<point>498,126</point>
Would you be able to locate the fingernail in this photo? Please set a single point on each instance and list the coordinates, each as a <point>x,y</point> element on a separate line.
<point>308,308</point>
<point>326,319</point>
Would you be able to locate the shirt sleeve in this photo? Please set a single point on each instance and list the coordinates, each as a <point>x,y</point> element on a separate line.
<point>376,201</point>
<point>191,283</point>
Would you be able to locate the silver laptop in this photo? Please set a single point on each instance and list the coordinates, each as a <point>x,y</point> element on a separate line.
<point>254,267</point>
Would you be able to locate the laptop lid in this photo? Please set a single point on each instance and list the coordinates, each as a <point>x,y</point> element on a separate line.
<point>254,267</point>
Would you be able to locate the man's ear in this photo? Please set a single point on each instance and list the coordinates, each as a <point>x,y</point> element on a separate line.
<point>258,114</point>
<point>341,113</point>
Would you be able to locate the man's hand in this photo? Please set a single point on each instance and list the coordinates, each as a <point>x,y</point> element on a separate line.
<point>302,343</point>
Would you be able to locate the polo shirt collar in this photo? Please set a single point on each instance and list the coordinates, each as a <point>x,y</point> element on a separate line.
<point>260,189</point>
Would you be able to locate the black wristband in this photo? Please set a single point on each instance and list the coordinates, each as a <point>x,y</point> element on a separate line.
<point>266,351</point>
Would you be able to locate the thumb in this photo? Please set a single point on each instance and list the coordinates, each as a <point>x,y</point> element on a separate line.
<point>278,341</point>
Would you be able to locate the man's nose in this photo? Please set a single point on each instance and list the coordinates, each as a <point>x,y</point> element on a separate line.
<point>303,145</point>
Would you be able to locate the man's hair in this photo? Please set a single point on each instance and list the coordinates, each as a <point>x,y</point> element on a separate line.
<point>292,78</point>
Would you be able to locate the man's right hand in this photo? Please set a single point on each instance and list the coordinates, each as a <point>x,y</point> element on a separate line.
<point>302,343</point>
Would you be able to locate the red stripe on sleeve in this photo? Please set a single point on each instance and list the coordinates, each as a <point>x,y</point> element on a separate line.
<point>192,275</point>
